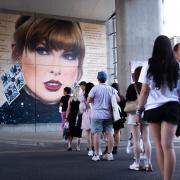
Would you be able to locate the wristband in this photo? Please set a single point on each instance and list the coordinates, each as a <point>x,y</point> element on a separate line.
<point>139,112</point>
<point>140,108</point>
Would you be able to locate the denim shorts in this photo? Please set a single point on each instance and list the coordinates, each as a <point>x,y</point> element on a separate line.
<point>131,120</point>
<point>101,125</point>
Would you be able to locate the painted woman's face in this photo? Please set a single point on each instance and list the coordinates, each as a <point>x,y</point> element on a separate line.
<point>47,72</point>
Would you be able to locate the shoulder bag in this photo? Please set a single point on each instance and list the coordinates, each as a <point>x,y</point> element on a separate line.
<point>131,106</point>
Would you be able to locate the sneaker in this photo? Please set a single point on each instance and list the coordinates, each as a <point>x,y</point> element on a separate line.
<point>90,153</point>
<point>135,166</point>
<point>108,157</point>
<point>96,158</point>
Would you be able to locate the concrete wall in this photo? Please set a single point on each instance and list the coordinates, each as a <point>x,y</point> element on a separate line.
<point>139,22</point>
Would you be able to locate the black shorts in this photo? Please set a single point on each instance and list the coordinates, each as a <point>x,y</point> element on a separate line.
<point>168,112</point>
<point>119,124</point>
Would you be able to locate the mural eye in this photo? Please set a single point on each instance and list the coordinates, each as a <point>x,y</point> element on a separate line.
<point>42,50</point>
<point>70,55</point>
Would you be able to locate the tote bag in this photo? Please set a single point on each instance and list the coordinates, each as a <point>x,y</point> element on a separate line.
<point>116,110</point>
<point>131,106</point>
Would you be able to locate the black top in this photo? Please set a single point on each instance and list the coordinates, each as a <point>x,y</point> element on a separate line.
<point>26,109</point>
<point>131,94</point>
<point>64,100</point>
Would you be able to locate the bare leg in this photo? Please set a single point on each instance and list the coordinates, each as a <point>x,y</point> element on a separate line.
<point>167,136</point>
<point>136,142</point>
<point>88,137</point>
<point>96,138</point>
<point>116,141</point>
<point>116,137</point>
<point>78,144</point>
<point>146,142</point>
<point>70,138</point>
<point>110,141</point>
<point>156,132</point>
<point>92,141</point>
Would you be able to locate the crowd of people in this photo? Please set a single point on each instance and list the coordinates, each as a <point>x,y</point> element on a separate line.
<point>89,109</point>
<point>156,85</point>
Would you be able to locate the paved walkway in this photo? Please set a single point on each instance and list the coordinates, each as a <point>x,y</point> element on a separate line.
<point>39,139</point>
<point>54,162</point>
<point>31,149</point>
<point>43,138</point>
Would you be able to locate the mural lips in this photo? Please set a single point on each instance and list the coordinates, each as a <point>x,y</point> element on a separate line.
<point>52,85</point>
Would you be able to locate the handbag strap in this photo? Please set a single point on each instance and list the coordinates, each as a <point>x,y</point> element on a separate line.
<point>136,90</point>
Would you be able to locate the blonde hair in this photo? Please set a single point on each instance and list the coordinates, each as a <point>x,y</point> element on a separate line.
<point>76,91</point>
<point>55,34</point>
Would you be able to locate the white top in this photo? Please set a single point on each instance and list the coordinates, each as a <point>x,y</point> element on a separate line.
<point>82,105</point>
<point>157,97</point>
<point>101,105</point>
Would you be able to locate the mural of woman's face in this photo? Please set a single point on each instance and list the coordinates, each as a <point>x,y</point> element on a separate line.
<point>47,72</point>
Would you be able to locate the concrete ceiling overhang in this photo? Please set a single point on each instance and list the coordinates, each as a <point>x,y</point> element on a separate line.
<point>97,10</point>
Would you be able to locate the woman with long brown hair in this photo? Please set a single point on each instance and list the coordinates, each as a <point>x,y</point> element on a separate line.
<point>159,98</point>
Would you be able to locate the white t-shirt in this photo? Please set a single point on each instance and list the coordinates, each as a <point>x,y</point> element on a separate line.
<point>101,105</point>
<point>157,97</point>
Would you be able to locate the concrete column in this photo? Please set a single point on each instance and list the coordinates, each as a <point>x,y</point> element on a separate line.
<point>139,22</point>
